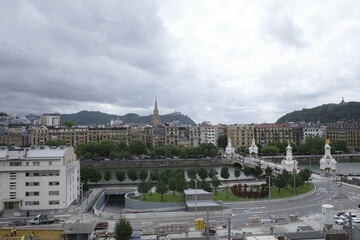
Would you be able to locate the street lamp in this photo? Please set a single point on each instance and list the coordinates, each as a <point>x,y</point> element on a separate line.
<point>195,199</point>
<point>81,202</point>
<point>294,180</point>
<point>269,196</point>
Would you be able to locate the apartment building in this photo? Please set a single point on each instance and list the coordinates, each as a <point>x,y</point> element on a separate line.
<point>38,178</point>
<point>76,135</point>
<point>345,131</point>
<point>267,133</point>
<point>171,135</point>
<point>208,133</point>
<point>50,119</point>
<point>241,135</point>
<point>313,129</point>
<point>194,136</point>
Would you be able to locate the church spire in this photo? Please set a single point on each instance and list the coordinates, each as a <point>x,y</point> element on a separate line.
<point>155,121</point>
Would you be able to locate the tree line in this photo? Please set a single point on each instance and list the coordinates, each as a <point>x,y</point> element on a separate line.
<point>138,149</point>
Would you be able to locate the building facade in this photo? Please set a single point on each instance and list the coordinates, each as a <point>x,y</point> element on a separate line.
<point>208,133</point>
<point>345,131</point>
<point>268,133</point>
<point>38,178</point>
<point>50,119</point>
<point>241,135</point>
<point>313,129</point>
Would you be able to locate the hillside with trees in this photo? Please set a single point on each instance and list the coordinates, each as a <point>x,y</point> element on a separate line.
<point>96,118</point>
<point>344,111</point>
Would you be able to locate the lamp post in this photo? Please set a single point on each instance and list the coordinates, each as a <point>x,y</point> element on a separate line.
<point>81,202</point>
<point>338,165</point>
<point>294,179</point>
<point>269,196</point>
<point>195,199</point>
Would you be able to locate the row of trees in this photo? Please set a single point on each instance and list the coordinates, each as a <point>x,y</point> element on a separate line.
<point>286,179</point>
<point>138,148</point>
<point>312,145</point>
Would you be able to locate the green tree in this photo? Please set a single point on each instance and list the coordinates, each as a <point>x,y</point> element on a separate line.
<point>162,188</point>
<point>215,182</point>
<point>222,141</point>
<point>132,174</point>
<point>205,186</point>
<point>257,171</point>
<point>183,153</point>
<point>154,175</point>
<point>120,176</point>
<point>247,171</point>
<point>305,174</point>
<point>69,123</point>
<point>143,174</point>
<point>213,153</point>
<point>138,147</point>
<point>94,174</point>
<point>123,229</point>
<point>191,173</point>
<point>268,171</point>
<point>270,151</point>
<point>224,173</point>
<point>280,181</point>
<point>144,187</point>
<point>56,142</point>
<point>107,175</point>
<point>181,184</point>
<point>338,145</point>
<point>237,172</point>
<point>172,185</point>
<point>203,173</point>
<point>312,145</point>
<point>213,173</point>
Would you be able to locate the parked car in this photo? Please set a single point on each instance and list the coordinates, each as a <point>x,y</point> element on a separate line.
<point>102,225</point>
<point>355,220</point>
<point>338,215</point>
<point>346,215</point>
<point>339,221</point>
<point>17,222</point>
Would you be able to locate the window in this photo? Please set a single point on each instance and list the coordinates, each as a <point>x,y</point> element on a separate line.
<point>54,202</point>
<point>31,194</point>
<point>12,164</point>
<point>53,183</point>
<point>32,184</point>
<point>27,174</point>
<point>36,174</point>
<point>50,163</point>
<point>31,203</point>
<point>54,193</point>
<point>36,163</point>
<point>27,164</point>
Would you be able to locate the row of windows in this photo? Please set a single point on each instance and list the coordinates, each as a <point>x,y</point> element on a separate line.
<point>37,174</point>
<point>34,203</point>
<point>52,183</point>
<point>51,193</point>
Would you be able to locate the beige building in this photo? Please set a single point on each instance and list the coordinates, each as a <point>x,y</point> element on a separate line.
<point>267,133</point>
<point>241,135</point>
<point>50,119</point>
<point>345,131</point>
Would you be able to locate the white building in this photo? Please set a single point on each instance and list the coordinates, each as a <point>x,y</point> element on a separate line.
<point>328,163</point>
<point>38,178</point>
<point>208,133</point>
<point>50,119</point>
<point>229,150</point>
<point>253,149</point>
<point>289,163</point>
<point>313,129</point>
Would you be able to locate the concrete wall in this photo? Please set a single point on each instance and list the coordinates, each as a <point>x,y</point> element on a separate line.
<point>132,204</point>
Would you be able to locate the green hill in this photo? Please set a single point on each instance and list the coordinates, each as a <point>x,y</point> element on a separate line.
<point>345,111</point>
<point>95,118</point>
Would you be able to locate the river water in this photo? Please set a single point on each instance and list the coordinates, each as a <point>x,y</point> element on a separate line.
<point>342,167</point>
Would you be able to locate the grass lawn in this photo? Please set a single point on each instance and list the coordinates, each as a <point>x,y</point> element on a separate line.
<point>155,197</point>
<point>222,196</point>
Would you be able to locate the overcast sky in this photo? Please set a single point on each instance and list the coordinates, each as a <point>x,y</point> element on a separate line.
<point>222,61</point>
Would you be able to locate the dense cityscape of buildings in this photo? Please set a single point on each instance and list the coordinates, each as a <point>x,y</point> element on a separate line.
<point>20,131</point>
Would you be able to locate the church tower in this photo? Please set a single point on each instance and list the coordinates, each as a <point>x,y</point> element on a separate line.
<point>155,121</point>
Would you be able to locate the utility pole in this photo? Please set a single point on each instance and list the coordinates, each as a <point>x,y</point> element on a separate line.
<point>229,229</point>
<point>269,196</point>
<point>207,229</point>
<point>294,180</point>
<point>196,216</point>
<point>81,203</point>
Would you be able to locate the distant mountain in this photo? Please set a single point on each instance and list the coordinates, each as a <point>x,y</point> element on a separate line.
<point>345,111</point>
<point>96,118</point>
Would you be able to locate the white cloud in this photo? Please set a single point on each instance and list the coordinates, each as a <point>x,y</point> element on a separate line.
<point>223,61</point>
